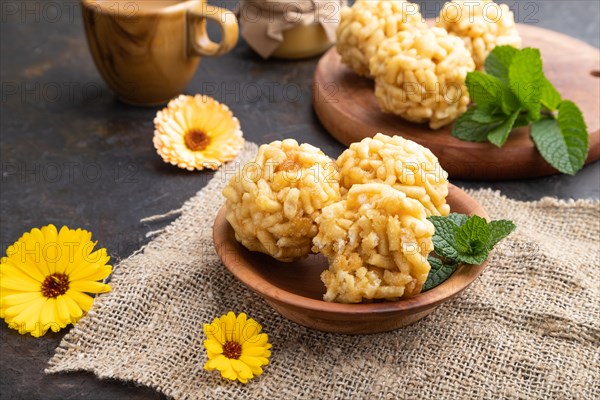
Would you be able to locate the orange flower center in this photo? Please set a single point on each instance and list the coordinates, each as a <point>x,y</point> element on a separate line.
<point>232,350</point>
<point>55,285</point>
<point>196,140</point>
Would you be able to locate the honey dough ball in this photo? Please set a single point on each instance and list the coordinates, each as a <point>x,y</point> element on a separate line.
<point>377,241</point>
<point>367,23</point>
<point>273,201</point>
<point>482,25</point>
<point>398,162</point>
<point>420,75</point>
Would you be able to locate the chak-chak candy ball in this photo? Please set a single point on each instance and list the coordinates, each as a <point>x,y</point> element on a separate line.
<point>272,203</point>
<point>367,23</point>
<point>482,25</point>
<point>405,165</point>
<point>377,241</point>
<point>420,75</point>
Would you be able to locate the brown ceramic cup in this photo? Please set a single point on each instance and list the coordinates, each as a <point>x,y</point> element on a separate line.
<point>148,50</point>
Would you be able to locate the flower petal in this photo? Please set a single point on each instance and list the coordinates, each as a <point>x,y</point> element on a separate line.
<point>214,331</point>
<point>11,271</point>
<point>28,319</point>
<point>48,317</point>
<point>74,310</point>
<point>243,371</point>
<point>30,250</point>
<point>89,287</point>
<point>251,329</point>
<point>256,341</point>
<point>213,346</point>
<point>50,233</point>
<point>255,367</point>
<point>83,300</point>
<point>79,257</point>
<point>13,311</point>
<point>229,325</point>
<point>63,313</point>
<point>97,257</point>
<point>256,352</point>
<point>20,284</point>
<point>220,330</point>
<point>31,270</point>
<point>254,361</point>
<point>228,372</point>
<point>219,362</point>
<point>240,323</point>
<point>94,272</point>
<point>19,298</point>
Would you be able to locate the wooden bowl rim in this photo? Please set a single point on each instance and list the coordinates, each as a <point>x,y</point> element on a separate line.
<point>239,267</point>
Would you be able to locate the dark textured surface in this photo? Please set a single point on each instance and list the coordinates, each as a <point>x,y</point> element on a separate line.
<point>72,154</point>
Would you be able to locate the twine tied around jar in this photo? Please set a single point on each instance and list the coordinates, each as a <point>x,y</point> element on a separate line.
<point>264,21</point>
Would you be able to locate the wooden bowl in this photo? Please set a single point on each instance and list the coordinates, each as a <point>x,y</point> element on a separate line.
<point>295,289</point>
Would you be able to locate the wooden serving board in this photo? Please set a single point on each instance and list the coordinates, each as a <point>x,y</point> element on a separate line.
<point>346,105</point>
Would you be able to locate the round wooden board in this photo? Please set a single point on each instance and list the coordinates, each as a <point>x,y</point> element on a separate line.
<point>346,105</point>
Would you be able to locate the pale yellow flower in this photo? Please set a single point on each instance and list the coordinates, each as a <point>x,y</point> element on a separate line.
<point>197,132</point>
<point>235,347</point>
<point>45,276</point>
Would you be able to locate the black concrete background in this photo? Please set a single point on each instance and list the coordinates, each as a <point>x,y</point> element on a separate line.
<point>72,154</point>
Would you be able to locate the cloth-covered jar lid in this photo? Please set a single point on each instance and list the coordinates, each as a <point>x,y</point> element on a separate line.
<point>264,21</point>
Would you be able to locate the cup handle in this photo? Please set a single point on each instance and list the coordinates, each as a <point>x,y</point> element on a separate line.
<point>199,44</point>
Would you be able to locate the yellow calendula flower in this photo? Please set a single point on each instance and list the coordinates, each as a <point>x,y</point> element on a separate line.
<point>45,276</point>
<point>197,132</point>
<point>236,347</point>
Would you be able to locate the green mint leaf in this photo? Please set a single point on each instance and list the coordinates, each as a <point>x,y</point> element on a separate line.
<point>499,134</point>
<point>497,64</point>
<point>472,237</point>
<point>487,114</point>
<point>510,103</point>
<point>443,239</point>
<point>574,131</point>
<point>525,76</point>
<point>474,259</point>
<point>546,135</point>
<point>499,60</point>
<point>564,143</point>
<point>458,219</point>
<point>438,273</point>
<point>471,240</point>
<point>462,239</point>
<point>521,120</point>
<point>498,231</point>
<point>466,128</point>
<point>550,96</point>
<point>484,89</point>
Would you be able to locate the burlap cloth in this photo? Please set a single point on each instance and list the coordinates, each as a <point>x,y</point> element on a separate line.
<point>529,327</point>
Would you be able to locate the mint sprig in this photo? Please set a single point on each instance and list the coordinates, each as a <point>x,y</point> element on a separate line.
<point>514,92</point>
<point>562,140</point>
<point>498,62</point>
<point>460,239</point>
<point>438,273</point>
<point>524,78</point>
